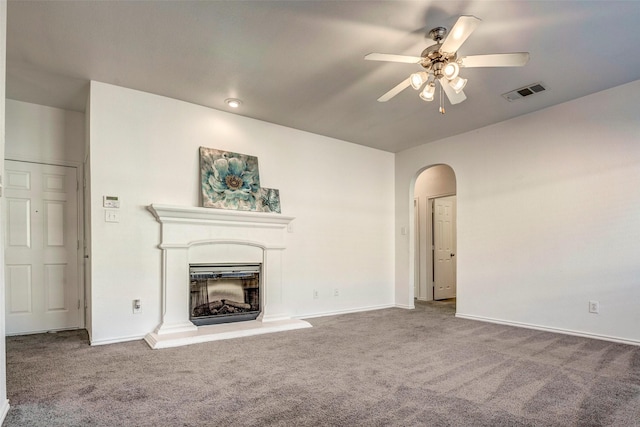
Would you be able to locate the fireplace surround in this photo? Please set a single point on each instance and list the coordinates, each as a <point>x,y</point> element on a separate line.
<point>191,235</point>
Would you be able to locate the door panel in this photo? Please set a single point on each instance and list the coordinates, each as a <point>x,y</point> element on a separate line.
<point>55,279</point>
<point>18,285</point>
<point>54,223</point>
<point>444,248</point>
<point>41,248</point>
<point>18,220</point>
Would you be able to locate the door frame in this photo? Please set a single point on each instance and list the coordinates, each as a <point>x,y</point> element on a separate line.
<point>416,243</point>
<point>80,189</point>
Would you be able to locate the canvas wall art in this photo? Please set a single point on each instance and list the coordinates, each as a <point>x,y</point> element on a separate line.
<point>269,200</point>
<point>232,181</point>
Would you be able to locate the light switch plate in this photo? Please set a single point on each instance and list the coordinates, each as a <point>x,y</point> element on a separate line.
<point>111,216</point>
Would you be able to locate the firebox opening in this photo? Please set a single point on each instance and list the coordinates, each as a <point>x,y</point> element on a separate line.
<point>223,293</point>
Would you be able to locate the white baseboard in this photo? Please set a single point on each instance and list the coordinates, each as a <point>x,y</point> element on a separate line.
<point>4,410</point>
<point>405,306</point>
<point>43,331</point>
<point>550,329</point>
<point>305,316</point>
<point>117,340</point>
<point>346,311</point>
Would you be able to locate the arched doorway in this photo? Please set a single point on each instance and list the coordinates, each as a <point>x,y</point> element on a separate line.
<point>435,234</point>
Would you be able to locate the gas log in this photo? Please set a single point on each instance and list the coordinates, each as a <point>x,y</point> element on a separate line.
<point>222,307</point>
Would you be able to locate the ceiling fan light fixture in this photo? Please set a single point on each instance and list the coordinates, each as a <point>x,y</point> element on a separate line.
<point>428,93</point>
<point>451,70</point>
<point>441,64</point>
<point>458,84</point>
<point>418,79</point>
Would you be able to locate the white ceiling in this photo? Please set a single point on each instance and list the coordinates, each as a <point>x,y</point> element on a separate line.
<point>300,63</point>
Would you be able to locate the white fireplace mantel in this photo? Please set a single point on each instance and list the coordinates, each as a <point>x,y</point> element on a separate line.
<point>206,235</point>
<point>187,214</point>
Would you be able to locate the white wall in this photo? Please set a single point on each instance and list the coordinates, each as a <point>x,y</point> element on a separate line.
<point>548,209</point>
<point>436,181</point>
<point>4,403</point>
<point>144,149</point>
<point>44,134</point>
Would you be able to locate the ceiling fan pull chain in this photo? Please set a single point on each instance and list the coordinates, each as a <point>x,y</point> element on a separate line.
<point>441,99</point>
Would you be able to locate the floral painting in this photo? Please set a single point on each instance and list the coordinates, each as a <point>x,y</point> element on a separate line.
<point>232,181</point>
<point>229,180</point>
<point>269,200</point>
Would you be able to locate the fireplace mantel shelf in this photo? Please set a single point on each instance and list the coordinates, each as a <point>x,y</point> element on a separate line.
<point>170,213</point>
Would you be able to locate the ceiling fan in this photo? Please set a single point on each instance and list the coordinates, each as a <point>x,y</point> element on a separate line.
<point>441,63</point>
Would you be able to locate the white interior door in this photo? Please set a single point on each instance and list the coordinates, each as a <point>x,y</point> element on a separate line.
<point>444,268</point>
<point>41,248</point>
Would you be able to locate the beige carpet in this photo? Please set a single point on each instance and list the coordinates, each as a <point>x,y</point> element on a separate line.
<point>389,367</point>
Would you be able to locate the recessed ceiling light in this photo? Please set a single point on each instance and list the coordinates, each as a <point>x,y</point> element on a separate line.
<point>233,102</point>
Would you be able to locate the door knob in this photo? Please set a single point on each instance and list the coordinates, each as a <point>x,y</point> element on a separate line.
<point>452,254</point>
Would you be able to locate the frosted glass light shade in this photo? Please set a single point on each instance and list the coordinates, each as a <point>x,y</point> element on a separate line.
<point>458,84</point>
<point>429,92</point>
<point>451,70</point>
<point>418,79</point>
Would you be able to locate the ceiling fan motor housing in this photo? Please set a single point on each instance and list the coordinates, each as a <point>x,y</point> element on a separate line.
<point>434,60</point>
<point>438,34</point>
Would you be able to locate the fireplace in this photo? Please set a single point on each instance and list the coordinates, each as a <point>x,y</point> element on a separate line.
<point>223,293</point>
<point>197,237</point>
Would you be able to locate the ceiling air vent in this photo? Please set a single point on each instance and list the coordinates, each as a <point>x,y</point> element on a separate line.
<point>524,91</point>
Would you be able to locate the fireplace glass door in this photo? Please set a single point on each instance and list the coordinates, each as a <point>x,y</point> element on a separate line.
<point>224,293</point>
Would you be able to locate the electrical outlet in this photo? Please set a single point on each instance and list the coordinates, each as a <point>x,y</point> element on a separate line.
<point>137,306</point>
<point>594,307</point>
<point>315,294</point>
<point>336,292</point>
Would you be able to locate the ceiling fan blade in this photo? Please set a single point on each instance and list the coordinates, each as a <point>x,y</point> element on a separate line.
<point>392,58</point>
<point>396,90</point>
<point>454,98</point>
<point>517,59</point>
<point>465,25</point>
